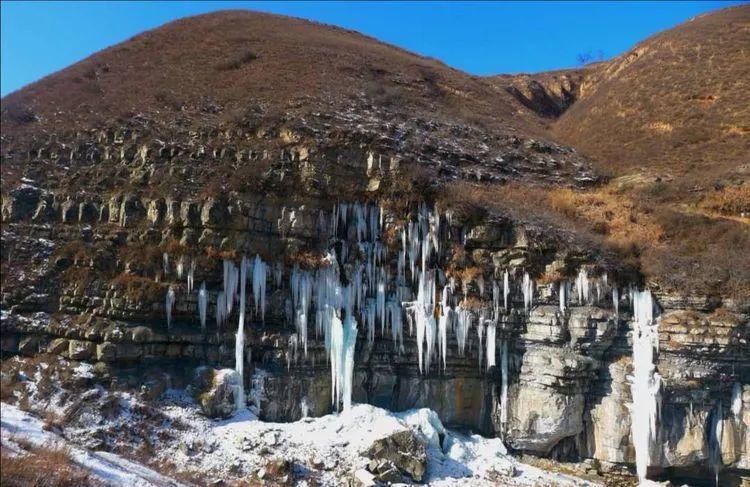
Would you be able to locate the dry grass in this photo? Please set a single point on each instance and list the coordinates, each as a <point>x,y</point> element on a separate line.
<point>138,288</point>
<point>46,466</point>
<point>729,201</point>
<point>684,251</point>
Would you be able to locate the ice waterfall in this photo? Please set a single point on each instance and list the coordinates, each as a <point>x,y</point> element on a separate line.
<point>239,344</point>
<point>645,381</point>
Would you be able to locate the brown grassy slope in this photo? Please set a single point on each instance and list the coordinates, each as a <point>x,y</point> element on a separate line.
<point>676,105</point>
<point>670,121</point>
<point>239,60</point>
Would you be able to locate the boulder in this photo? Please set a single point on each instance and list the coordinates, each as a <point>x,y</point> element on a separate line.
<point>403,450</point>
<point>215,391</point>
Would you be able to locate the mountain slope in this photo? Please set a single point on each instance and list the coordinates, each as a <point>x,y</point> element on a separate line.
<point>676,104</point>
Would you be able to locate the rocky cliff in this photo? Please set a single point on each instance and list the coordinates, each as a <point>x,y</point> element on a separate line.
<point>120,228</point>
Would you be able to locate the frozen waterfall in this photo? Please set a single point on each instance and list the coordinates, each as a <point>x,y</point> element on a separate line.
<point>645,381</point>
<point>239,345</point>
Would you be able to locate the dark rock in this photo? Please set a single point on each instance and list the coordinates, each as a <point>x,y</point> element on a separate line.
<point>404,450</point>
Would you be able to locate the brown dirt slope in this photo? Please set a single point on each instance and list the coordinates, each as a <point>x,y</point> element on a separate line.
<point>676,104</point>
<point>234,59</point>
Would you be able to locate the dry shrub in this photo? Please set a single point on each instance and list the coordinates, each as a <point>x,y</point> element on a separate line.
<point>305,259</point>
<point>731,201</point>
<point>473,303</point>
<point>138,288</point>
<point>145,258</point>
<point>214,253</point>
<point>46,466</point>
<point>608,214</point>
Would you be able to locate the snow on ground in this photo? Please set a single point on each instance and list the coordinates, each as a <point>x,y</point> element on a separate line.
<point>333,444</point>
<point>110,469</point>
<point>323,451</point>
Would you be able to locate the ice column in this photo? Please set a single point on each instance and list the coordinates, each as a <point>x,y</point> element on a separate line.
<point>169,304</point>
<point>259,286</point>
<point>491,329</point>
<point>503,385</point>
<point>239,350</point>
<point>645,381</point>
<point>202,305</point>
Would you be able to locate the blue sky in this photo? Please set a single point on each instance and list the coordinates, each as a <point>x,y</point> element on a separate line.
<point>39,38</point>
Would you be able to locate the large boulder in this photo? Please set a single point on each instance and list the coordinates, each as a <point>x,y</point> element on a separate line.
<point>215,390</point>
<point>401,449</point>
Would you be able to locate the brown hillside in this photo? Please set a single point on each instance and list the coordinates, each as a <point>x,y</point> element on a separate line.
<point>675,105</point>
<point>231,60</point>
<point>670,121</point>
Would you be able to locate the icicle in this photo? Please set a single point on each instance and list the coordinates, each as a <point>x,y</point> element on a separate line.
<point>528,291</point>
<point>444,321</point>
<point>480,284</point>
<point>504,385</point>
<point>737,401</point>
<point>169,304</point>
<point>343,341</point>
<point>239,348</point>
<point>231,280</point>
<point>423,316</point>
<point>562,297</point>
<point>582,286</point>
<point>180,266</point>
<point>165,263</point>
<point>301,285</point>
<point>463,323</point>
<point>645,381</point>
<point>221,308</point>
<point>191,276</point>
<point>506,289</point>
<point>396,321</point>
<point>616,301</point>
<point>716,434</point>
<point>203,305</point>
<point>480,350</point>
<point>259,286</point>
<point>491,329</point>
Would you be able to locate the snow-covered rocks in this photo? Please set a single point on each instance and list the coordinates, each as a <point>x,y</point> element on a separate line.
<point>403,450</point>
<point>216,391</point>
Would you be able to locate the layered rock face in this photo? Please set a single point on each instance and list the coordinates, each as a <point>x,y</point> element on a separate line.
<point>92,285</point>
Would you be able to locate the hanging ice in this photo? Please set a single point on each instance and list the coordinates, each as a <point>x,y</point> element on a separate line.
<point>737,401</point>
<point>169,305</point>
<point>191,276</point>
<point>259,286</point>
<point>582,286</point>
<point>616,301</point>
<point>528,291</point>
<point>716,434</point>
<point>491,329</point>
<point>444,321</point>
<point>239,349</point>
<point>645,381</point>
<point>203,305</point>
<point>231,280</point>
<point>506,289</point>
<point>221,310</point>
<point>180,266</point>
<point>301,284</point>
<point>343,341</point>
<point>480,335</point>
<point>464,318</point>
<point>562,297</point>
<point>165,263</point>
<point>423,317</point>
<point>503,385</point>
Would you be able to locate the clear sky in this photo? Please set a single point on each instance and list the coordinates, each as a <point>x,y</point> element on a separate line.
<point>39,38</point>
